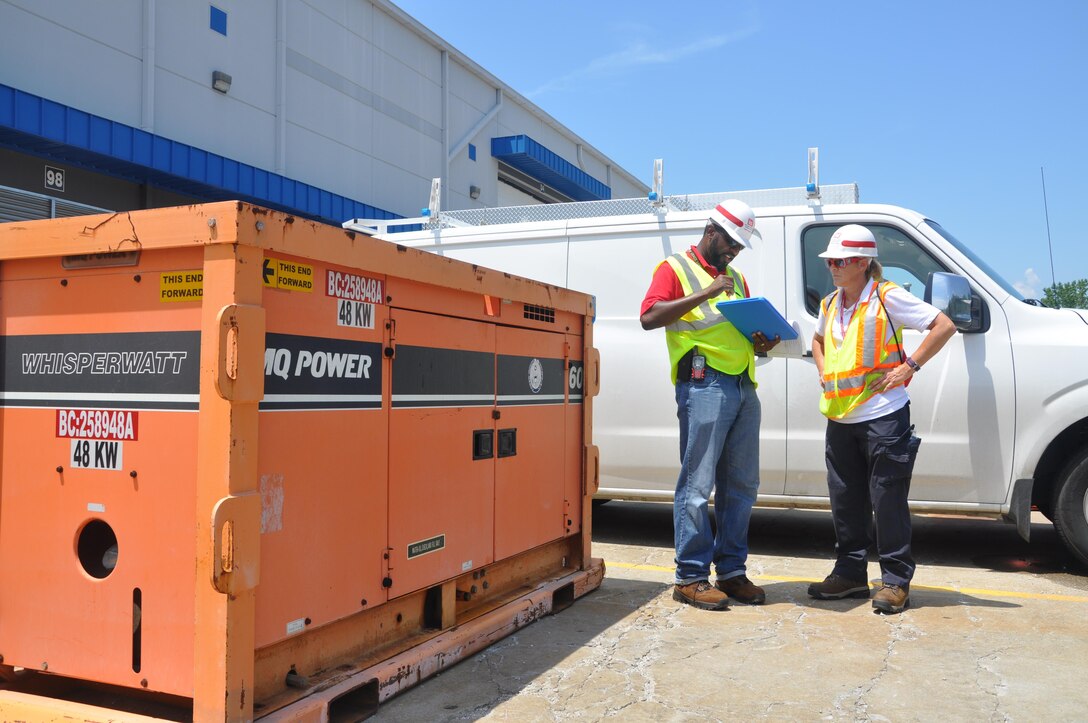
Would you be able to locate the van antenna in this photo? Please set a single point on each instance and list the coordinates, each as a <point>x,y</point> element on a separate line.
<point>1053,280</point>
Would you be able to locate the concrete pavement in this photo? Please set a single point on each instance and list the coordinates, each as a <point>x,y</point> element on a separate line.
<point>996,631</point>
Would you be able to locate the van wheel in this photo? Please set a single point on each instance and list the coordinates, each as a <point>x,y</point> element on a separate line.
<point>1070,506</point>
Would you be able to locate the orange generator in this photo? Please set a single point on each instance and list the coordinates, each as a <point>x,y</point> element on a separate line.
<point>254,466</point>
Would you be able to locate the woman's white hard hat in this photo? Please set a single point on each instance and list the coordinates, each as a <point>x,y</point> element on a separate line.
<point>850,241</point>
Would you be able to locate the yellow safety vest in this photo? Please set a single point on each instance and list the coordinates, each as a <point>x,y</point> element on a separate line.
<point>725,348</point>
<point>863,355</point>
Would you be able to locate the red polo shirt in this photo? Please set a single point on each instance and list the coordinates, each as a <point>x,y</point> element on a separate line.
<point>665,285</point>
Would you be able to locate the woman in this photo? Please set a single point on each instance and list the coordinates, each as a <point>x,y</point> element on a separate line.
<point>871,446</point>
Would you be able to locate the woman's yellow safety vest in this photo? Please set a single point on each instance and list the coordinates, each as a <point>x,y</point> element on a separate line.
<point>863,355</point>
<point>725,348</point>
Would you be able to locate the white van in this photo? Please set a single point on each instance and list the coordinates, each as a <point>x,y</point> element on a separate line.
<point>1002,410</point>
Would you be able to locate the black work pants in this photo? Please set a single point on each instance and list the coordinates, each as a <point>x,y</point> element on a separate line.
<point>869,466</point>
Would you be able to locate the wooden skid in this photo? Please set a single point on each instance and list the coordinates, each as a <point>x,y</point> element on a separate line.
<point>359,693</point>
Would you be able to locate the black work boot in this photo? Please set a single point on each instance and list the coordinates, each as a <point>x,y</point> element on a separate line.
<point>836,587</point>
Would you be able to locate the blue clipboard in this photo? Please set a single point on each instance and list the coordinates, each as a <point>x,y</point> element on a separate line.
<point>756,314</point>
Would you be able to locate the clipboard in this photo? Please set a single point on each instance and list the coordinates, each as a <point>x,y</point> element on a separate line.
<point>756,314</point>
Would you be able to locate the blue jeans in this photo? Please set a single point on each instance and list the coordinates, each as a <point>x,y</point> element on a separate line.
<point>719,453</point>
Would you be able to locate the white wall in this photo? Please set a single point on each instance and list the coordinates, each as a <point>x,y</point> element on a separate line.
<point>85,55</point>
<point>363,91</point>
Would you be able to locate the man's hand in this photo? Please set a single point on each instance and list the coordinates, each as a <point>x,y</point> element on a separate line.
<point>720,284</point>
<point>663,313</point>
<point>762,344</point>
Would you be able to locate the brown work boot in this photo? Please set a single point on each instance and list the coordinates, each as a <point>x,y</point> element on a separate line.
<point>743,590</point>
<point>702,595</point>
<point>836,587</point>
<point>891,598</point>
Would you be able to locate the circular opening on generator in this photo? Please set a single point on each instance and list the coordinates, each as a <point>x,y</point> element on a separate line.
<point>97,549</point>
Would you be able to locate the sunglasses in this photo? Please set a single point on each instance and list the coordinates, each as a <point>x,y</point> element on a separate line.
<point>842,263</point>
<point>733,245</point>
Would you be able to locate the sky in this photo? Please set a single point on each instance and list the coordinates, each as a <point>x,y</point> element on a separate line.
<point>949,108</point>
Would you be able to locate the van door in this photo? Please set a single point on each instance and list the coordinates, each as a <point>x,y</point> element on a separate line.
<point>634,415</point>
<point>962,402</point>
<point>763,266</point>
<point>634,420</point>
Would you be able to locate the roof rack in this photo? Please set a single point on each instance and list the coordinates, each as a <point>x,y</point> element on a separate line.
<point>655,203</point>
<point>832,194</point>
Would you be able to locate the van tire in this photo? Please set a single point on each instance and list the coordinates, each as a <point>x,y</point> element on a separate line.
<point>1070,506</point>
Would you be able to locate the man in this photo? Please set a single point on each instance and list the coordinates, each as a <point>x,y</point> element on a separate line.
<point>713,368</point>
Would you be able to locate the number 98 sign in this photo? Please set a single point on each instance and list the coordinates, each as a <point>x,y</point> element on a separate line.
<point>54,178</point>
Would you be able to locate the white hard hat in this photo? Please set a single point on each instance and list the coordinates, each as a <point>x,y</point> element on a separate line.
<point>736,219</point>
<point>850,241</point>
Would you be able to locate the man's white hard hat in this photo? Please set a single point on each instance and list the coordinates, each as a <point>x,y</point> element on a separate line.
<point>736,219</point>
<point>850,241</point>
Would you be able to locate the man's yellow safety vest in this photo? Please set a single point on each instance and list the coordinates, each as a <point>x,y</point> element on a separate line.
<point>863,355</point>
<point>725,348</point>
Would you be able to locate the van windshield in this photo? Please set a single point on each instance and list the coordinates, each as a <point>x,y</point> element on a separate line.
<point>976,259</point>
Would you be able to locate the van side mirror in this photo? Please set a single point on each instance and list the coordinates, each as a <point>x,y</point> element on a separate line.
<point>952,294</point>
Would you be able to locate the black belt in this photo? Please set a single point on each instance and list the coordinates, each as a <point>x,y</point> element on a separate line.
<point>683,368</point>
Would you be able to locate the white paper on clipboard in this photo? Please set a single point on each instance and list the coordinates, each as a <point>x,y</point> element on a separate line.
<point>791,348</point>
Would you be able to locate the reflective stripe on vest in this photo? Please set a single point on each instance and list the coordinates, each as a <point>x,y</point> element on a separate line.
<point>862,356</point>
<point>703,314</point>
<point>724,347</point>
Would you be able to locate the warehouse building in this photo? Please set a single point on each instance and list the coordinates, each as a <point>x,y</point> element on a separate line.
<point>329,109</point>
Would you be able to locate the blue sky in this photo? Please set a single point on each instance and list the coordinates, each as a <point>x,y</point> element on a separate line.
<point>949,108</point>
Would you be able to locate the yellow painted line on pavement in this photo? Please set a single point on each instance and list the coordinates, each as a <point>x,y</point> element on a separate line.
<point>637,566</point>
<point>981,592</point>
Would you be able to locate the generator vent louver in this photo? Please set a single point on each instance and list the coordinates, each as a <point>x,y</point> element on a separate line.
<point>540,313</point>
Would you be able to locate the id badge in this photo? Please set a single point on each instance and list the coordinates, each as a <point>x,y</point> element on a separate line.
<point>698,367</point>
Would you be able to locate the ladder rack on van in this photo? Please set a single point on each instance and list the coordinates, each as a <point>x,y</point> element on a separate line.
<point>843,193</point>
